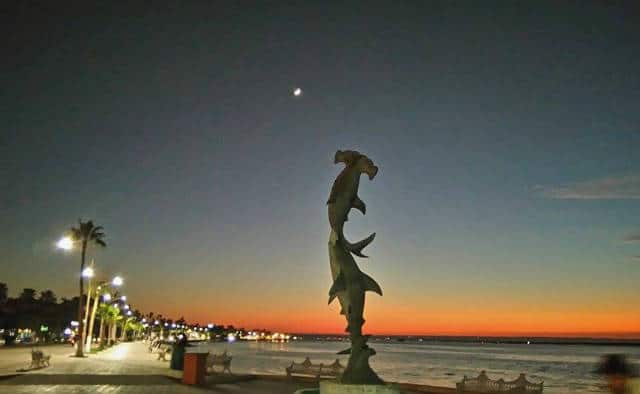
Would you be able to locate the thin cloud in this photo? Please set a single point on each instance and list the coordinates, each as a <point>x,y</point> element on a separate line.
<point>611,188</point>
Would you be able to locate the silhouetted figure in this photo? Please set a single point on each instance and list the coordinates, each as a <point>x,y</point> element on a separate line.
<point>177,353</point>
<point>620,374</point>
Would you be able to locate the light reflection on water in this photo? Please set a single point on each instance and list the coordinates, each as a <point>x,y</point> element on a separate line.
<point>564,368</point>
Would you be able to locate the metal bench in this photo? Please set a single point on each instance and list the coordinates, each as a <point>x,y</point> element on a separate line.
<point>39,359</point>
<point>223,360</point>
<point>163,351</point>
<point>307,368</point>
<point>482,384</point>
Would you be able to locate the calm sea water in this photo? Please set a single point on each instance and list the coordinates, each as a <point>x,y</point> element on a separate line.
<point>563,368</point>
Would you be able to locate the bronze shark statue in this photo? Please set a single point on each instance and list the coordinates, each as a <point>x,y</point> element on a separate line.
<point>344,195</point>
<point>349,282</point>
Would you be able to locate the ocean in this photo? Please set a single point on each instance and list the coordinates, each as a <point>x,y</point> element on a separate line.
<point>563,368</point>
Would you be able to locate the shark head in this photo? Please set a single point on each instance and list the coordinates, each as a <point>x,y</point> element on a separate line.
<point>366,166</point>
<point>348,157</point>
<point>362,163</point>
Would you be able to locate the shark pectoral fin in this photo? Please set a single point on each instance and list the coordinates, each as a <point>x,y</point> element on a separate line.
<point>345,351</point>
<point>338,286</point>
<point>357,247</point>
<point>358,204</point>
<point>370,284</point>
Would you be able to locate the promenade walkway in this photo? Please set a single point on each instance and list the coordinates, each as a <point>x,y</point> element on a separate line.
<point>125,368</point>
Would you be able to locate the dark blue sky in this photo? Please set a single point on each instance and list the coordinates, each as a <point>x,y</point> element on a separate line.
<point>507,138</point>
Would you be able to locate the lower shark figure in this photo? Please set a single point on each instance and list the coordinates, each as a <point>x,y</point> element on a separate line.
<point>349,284</point>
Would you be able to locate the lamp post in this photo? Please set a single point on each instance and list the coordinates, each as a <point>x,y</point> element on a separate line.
<point>87,273</point>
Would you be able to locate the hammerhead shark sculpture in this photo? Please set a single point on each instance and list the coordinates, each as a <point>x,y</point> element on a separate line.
<point>349,282</point>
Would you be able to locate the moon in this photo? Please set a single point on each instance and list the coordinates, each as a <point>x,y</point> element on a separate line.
<point>297,92</point>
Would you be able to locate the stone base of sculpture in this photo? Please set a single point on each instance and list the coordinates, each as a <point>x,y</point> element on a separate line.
<point>327,387</point>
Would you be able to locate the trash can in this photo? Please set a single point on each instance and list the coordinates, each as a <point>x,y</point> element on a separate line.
<point>195,368</point>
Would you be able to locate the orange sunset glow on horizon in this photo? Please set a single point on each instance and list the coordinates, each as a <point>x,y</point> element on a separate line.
<point>440,319</point>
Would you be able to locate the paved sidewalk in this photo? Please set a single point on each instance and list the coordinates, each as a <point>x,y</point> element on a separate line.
<point>125,368</point>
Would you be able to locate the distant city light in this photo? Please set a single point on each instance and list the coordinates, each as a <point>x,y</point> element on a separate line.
<point>74,323</point>
<point>106,297</point>
<point>126,306</point>
<point>156,322</point>
<point>297,92</point>
<point>67,331</point>
<point>123,298</point>
<point>87,272</point>
<point>129,313</point>
<point>65,243</point>
<point>210,325</point>
<point>231,338</point>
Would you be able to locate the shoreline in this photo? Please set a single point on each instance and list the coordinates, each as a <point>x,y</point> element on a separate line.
<point>417,339</point>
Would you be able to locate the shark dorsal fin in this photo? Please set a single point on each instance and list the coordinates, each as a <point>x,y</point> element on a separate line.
<point>357,247</point>
<point>370,284</point>
<point>338,286</point>
<point>345,351</point>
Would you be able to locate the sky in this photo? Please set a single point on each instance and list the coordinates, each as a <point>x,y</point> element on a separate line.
<point>507,136</point>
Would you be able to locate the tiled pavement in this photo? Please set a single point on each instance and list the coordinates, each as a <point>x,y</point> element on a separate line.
<point>126,368</point>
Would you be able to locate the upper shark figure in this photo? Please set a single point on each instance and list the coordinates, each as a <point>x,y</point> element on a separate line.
<point>344,195</point>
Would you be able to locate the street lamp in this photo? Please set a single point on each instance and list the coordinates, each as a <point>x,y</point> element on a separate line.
<point>117,281</point>
<point>88,272</point>
<point>65,243</point>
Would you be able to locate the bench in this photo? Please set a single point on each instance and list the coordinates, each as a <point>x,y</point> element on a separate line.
<point>39,359</point>
<point>482,384</point>
<point>223,360</point>
<point>155,344</point>
<point>163,351</point>
<point>306,368</point>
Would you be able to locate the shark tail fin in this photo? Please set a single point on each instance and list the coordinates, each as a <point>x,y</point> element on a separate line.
<point>370,284</point>
<point>338,286</point>
<point>357,247</point>
<point>345,351</point>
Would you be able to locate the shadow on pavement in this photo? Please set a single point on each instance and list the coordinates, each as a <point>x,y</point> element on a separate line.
<point>82,379</point>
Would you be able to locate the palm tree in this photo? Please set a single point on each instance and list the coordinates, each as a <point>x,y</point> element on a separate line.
<point>103,315</point>
<point>114,318</point>
<point>85,233</point>
<point>127,325</point>
<point>48,297</point>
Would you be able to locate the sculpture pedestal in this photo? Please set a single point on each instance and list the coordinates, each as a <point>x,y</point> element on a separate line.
<point>327,387</point>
